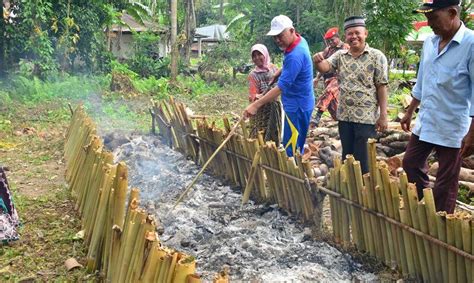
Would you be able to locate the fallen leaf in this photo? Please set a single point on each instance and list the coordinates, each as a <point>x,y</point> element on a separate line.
<point>79,235</point>
<point>72,263</point>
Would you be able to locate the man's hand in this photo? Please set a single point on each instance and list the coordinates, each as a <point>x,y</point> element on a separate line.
<point>318,57</point>
<point>251,110</point>
<point>405,122</point>
<point>382,123</point>
<point>467,145</point>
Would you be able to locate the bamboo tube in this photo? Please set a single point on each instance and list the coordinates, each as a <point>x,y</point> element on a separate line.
<point>346,237</point>
<point>193,278</point>
<point>332,205</point>
<point>409,241</point>
<point>422,218</point>
<point>147,228</point>
<point>301,190</point>
<point>161,254</point>
<point>165,266</point>
<point>467,239</point>
<point>368,224</point>
<point>185,267</point>
<point>170,273</point>
<point>374,221</point>
<point>392,230</point>
<point>450,240</point>
<point>460,265</point>
<point>271,178</point>
<point>351,192</point>
<point>297,189</point>
<point>130,231</point>
<point>250,182</point>
<point>432,229</point>
<point>278,161</point>
<point>384,229</point>
<point>150,263</point>
<point>399,243</point>
<point>222,277</point>
<point>372,152</point>
<point>412,205</point>
<point>442,236</point>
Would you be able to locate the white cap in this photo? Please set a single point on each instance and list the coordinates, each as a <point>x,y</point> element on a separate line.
<point>279,24</point>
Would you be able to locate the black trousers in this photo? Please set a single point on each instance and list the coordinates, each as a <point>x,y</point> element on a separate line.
<point>354,138</point>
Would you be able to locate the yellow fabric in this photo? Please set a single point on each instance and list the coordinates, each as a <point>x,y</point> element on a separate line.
<point>294,136</point>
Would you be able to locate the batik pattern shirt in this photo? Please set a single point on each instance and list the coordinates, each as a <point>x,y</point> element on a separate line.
<point>358,78</point>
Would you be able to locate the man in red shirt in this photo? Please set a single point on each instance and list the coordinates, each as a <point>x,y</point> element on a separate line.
<point>329,99</point>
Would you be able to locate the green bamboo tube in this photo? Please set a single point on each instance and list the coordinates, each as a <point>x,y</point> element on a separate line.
<point>351,192</point>
<point>151,262</point>
<point>165,266</point>
<point>338,204</point>
<point>346,237</point>
<point>185,267</point>
<point>129,243</point>
<point>374,221</point>
<point>94,255</point>
<point>161,253</point>
<point>231,158</point>
<point>298,190</point>
<point>404,190</point>
<point>251,181</point>
<point>384,229</point>
<point>467,239</point>
<point>422,218</point>
<point>144,238</point>
<point>171,271</point>
<point>372,152</point>
<point>393,235</point>
<point>399,243</point>
<point>450,240</point>
<point>413,205</point>
<point>115,252</point>
<point>368,228</point>
<point>292,188</point>
<point>409,241</point>
<point>270,178</point>
<point>106,246</point>
<point>332,206</point>
<point>260,176</point>
<point>279,159</point>
<point>460,261</point>
<point>433,231</point>
<point>442,236</point>
<point>130,218</point>
<point>301,189</point>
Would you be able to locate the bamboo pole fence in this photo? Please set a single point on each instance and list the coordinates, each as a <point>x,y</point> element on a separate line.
<point>399,229</point>
<point>121,239</point>
<point>375,212</point>
<point>263,171</point>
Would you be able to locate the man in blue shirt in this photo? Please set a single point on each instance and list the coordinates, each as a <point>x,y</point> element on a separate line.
<point>295,84</point>
<point>445,92</point>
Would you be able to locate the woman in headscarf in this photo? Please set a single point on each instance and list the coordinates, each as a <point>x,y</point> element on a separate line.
<point>268,118</point>
<point>9,221</point>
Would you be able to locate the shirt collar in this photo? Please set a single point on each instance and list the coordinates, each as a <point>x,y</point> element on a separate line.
<point>457,37</point>
<point>366,49</point>
<point>293,45</point>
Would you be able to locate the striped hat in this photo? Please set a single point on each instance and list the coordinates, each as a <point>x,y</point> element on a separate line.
<point>354,21</point>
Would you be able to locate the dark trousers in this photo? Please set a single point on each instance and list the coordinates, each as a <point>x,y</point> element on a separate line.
<point>445,190</point>
<point>354,138</point>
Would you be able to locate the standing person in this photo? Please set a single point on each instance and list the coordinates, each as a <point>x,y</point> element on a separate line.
<point>444,91</point>
<point>295,84</point>
<point>267,118</point>
<point>9,220</point>
<point>329,99</point>
<point>363,79</point>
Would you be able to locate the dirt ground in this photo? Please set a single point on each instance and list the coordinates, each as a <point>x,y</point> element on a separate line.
<point>31,145</point>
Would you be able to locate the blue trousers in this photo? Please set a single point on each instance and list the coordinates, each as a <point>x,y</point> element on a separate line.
<point>295,128</point>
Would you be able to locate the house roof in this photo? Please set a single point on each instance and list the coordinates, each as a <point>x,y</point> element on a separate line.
<point>213,32</point>
<point>132,24</point>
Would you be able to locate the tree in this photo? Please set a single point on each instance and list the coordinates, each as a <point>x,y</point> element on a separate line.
<point>189,29</point>
<point>389,22</point>
<point>174,34</point>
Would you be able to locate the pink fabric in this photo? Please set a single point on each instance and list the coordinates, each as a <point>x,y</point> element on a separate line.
<point>262,49</point>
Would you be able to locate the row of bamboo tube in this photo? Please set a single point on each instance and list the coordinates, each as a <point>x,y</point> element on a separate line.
<point>408,247</point>
<point>122,242</point>
<point>263,171</point>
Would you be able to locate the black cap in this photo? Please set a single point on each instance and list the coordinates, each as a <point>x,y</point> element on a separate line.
<point>432,5</point>
<point>354,21</point>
